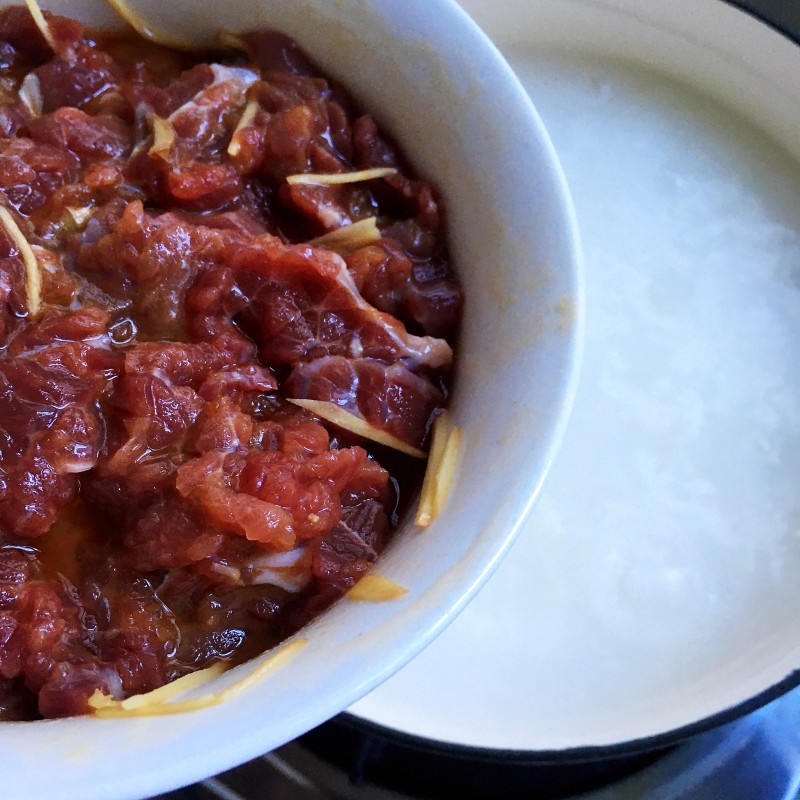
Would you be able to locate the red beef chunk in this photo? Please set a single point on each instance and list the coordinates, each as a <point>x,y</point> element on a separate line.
<point>149,263</point>
<point>50,381</point>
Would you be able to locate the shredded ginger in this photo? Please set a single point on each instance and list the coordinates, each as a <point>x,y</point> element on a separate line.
<point>33,276</point>
<point>248,115</point>
<point>374,588</point>
<point>350,422</point>
<point>157,702</point>
<point>41,23</point>
<point>445,446</point>
<point>338,178</point>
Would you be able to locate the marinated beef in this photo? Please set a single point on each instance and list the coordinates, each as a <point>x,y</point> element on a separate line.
<point>164,295</point>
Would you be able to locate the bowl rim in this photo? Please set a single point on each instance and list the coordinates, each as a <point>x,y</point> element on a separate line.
<point>583,754</point>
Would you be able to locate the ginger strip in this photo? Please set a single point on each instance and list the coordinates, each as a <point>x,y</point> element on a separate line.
<point>41,23</point>
<point>350,422</point>
<point>374,588</point>
<point>350,237</point>
<point>248,115</point>
<point>163,136</point>
<point>157,702</point>
<point>33,276</point>
<point>338,178</point>
<point>445,447</point>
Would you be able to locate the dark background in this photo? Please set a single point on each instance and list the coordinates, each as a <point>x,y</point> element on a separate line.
<point>784,14</point>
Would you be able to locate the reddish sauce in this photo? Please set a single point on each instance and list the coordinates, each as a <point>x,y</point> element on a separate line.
<point>162,505</point>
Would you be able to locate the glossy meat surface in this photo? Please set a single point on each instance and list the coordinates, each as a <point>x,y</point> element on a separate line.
<point>162,298</point>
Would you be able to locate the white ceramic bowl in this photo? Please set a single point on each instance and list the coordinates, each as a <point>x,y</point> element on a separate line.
<point>432,79</point>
